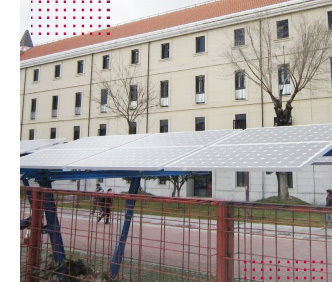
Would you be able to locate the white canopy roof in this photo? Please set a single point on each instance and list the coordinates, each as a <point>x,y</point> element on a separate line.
<point>30,146</point>
<point>265,149</point>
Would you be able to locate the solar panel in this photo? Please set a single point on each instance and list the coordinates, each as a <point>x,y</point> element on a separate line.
<point>29,146</point>
<point>283,134</point>
<point>56,159</point>
<point>323,161</point>
<point>275,157</point>
<point>133,158</point>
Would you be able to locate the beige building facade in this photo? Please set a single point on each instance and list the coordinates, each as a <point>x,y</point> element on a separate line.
<point>195,86</point>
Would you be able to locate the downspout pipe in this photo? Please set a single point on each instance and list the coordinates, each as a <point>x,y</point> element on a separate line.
<point>22,114</point>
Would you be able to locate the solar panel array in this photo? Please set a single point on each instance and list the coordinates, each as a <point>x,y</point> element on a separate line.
<point>30,146</point>
<point>277,149</point>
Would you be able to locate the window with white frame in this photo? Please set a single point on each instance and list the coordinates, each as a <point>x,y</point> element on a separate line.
<point>55,101</point>
<point>78,103</point>
<point>239,37</point>
<point>57,71</point>
<point>106,62</point>
<point>53,133</point>
<point>103,100</point>
<point>240,85</point>
<point>134,56</point>
<point>200,89</point>
<point>282,29</point>
<point>133,97</point>
<point>284,79</point>
<point>165,51</point>
<point>80,66</point>
<point>164,93</point>
<point>36,75</point>
<point>200,44</point>
<point>33,109</point>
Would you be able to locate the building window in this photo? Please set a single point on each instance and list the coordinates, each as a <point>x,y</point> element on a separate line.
<point>133,97</point>
<point>54,106</point>
<point>163,125</point>
<point>100,180</point>
<point>200,123</point>
<point>162,181</point>
<point>53,133</point>
<point>78,103</point>
<point>80,66</point>
<point>283,79</point>
<point>36,75</point>
<point>165,51</point>
<point>200,44</point>
<point>200,89</point>
<point>103,100</point>
<point>240,179</point>
<point>57,71</point>
<point>329,19</point>
<point>240,85</point>
<point>77,130</point>
<point>134,56</point>
<point>31,134</point>
<point>164,93</point>
<point>240,122</point>
<point>106,62</point>
<point>289,179</point>
<point>239,38</point>
<point>33,109</point>
<point>282,29</point>
<point>132,127</point>
<point>102,130</point>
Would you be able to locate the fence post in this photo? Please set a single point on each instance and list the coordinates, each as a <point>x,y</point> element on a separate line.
<point>225,243</point>
<point>35,240</point>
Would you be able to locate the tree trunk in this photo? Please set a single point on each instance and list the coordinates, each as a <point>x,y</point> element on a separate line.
<point>282,185</point>
<point>174,190</point>
<point>283,117</point>
<point>178,189</point>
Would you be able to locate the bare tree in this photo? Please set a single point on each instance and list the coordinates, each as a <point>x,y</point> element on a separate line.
<point>298,62</point>
<point>126,93</point>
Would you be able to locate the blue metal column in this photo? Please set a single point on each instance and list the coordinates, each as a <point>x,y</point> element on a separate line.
<point>53,225</point>
<point>120,247</point>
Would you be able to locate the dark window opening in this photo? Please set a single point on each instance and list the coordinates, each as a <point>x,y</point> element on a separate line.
<point>106,62</point>
<point>163,125</point>
<point>103,100</point>
<point>240,80</point>
<point>239,37</point>
<point>203,186</point>
<point>78,103</point>
<point>200,123</point>
<point>31,134</point>
<point>282,29</point>
<point>241,179</point>
<point>164,89</point>
<point>53,133</point>
<point>329,19</point>
<point>240,122</point>
<point>289,179</point>
<point>76,132</point>
<point>200,44</point>
<point>54,106</point>
<point>165,51</point>
<point>134,56</point>
<point>102,130</point>
<point>57,70</point>
<point>133,93</point>
<point>33,109</point>
<point>80,66</point>
<point>162,181</point>
<point>200,84</point>
<point>36,75</point>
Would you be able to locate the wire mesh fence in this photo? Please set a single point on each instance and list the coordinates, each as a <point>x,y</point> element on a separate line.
<point>74,236</point>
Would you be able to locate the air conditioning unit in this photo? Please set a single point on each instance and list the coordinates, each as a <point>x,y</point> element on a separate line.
<point>133,105</point>
<point>285,89</point>
<point>240,94</point>
<point>200,98</point>
<point>103,109</point>
<point>164,102</point>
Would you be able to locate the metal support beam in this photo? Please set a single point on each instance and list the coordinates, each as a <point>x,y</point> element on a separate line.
<point>121,244</point>
<point>53,225</point>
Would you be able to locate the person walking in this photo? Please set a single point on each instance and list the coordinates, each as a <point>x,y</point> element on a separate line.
<point>96,200</point>
<point>328,216</point>
<point>106,203</point>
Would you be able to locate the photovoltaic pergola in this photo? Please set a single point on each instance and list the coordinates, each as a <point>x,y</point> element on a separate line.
<point>178,153</point>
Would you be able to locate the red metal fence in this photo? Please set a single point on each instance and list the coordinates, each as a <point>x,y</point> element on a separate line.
<point>172,240</point>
